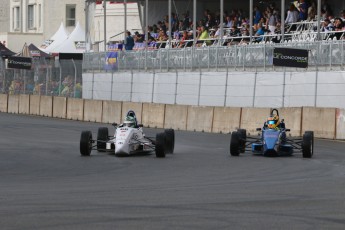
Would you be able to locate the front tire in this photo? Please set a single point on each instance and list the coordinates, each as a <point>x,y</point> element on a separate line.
<point>85,143</point>
<point>102,138</point>
<point>243,138</point>
<point>235,144</point>
<point>308,144</point>
<point>160,145</point>
<point>170,140</point>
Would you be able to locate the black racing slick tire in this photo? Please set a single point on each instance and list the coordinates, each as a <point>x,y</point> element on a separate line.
<point>243,138</point>
<point>308,144</point>
<point>170,140</point>
<point>85,143</point>
<point>235,144</point>
<point>160,145</point>
<point>102,138</point>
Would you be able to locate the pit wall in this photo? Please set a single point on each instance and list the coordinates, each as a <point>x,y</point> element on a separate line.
<point>326,123</point>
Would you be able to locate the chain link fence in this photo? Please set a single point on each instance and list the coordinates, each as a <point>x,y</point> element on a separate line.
<point>48,77</point>
<point>328,55</point>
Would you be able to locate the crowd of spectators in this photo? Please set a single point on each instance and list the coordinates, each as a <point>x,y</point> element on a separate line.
<point>266,21</point>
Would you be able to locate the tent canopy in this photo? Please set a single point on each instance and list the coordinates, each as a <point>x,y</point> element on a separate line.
<point>60,36</point>
<point>75,43</point>
<point>5,52</point>
<point>32,51</point>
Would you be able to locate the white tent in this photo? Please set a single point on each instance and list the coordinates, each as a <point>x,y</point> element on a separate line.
<point>60,36</point>
<point>75,43</point>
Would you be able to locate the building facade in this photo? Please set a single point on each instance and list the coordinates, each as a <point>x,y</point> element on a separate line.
<point>33,21</point>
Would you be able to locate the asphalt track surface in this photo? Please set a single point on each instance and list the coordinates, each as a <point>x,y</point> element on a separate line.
<point>46,184</point>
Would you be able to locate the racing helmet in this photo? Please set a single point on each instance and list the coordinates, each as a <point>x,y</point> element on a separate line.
<point>272,122</point>
<point>129,121</point>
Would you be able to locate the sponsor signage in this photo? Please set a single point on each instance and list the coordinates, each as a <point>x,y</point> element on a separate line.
<point>290,57</point>
<point>111,61</point>
<point>19,62</point>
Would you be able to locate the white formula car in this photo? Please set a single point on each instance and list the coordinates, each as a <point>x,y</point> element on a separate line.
<point>128,139</point>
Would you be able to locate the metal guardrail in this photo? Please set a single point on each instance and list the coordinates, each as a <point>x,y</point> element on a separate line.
<point>323,54</point>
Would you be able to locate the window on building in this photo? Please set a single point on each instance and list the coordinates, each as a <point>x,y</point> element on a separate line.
<point>39,15</point>
<point>16,18</point>
<point>31,17</point>
<point>70,15</point>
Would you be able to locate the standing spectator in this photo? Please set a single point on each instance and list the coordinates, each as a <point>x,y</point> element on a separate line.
<point>129,42</point>
<point>272,22</point>
<point>342,14</point>
<point>257,15</point>
<point>292,15</point>
<point>312,11</point>
<point>303,10</point>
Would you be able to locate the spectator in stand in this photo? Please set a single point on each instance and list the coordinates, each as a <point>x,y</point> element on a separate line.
<point>138,37</point>
<point>312,11</point>
<point>326,7</point>
<point>272,22</point>
<point>129,41</point>
<point>183,39</point>
<point>203,36</point>
<point>228,22</point>
<point>292,15</point>
<point>210,22</point>
<point>327,26</point>
<point>162,38</point>
<point>186,20</point>
<point>257,15</point>
<point>339,27</point>
<point>259,32</point>
<point>303,10</point>
<point>342,14</point>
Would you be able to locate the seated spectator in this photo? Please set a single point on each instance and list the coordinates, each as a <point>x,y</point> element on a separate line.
<point>259,33</point>
<point>138,37</point>
<point>161,39</point>
<point>182,42</point>
<point>327,26</point>
<point>339,26</point>
<point>203,36</point>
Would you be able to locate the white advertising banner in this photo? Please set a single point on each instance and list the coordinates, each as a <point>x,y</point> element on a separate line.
<point>165,88</point>
<point>122,86</point>
<point>102,86</point>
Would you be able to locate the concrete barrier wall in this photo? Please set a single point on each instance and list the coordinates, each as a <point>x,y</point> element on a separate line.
<point>253,118</point>
<point>226,119</point>
<point>46,106</point>
<point>35,104</point>
<point>60,107</point>
<point>3,103</point>
<point>340,124</point>
<point>320,120</point>
<point>293,120</point>
<point>93,110</point>
<point>176,117</point>
<point>325,122</point>
<point>153,115</point>
<point>13,103</point>
<point>24,104</point>
<point>137,107</point>
<point>75,109</point>
<point>200,118</point>
<point>111,112</point>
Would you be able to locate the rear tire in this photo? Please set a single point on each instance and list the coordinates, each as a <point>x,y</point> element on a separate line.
<point>160,145</point>
<point>170,140</point>
<point>85,143</point>
<point>102,138</point>
<point>308,144</point>
<point>235,144</point>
